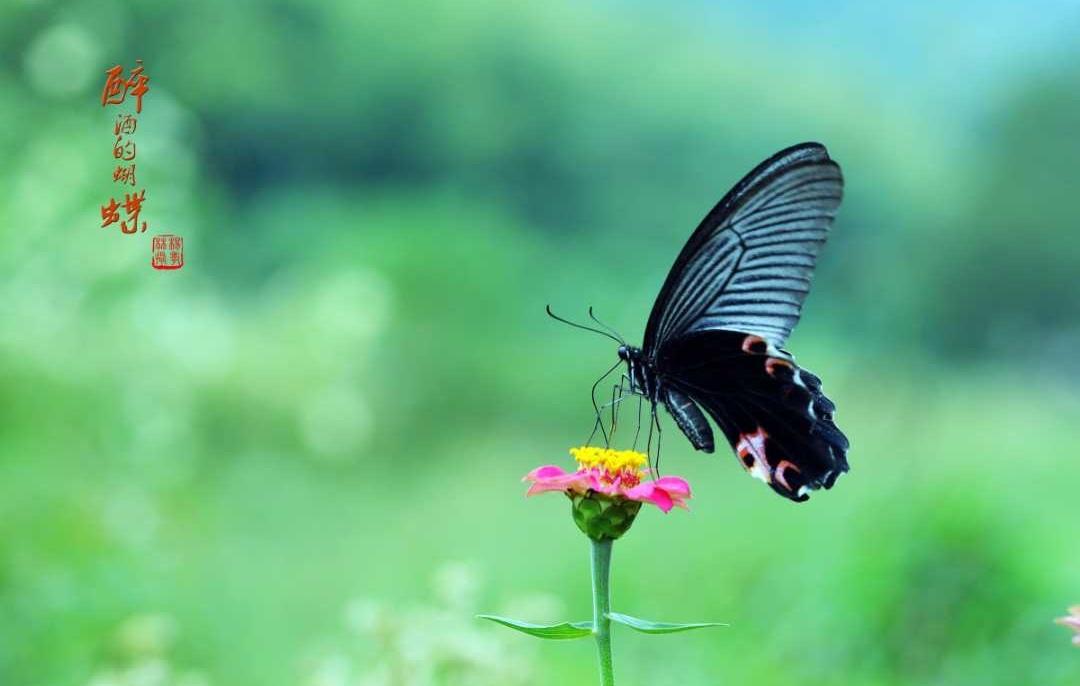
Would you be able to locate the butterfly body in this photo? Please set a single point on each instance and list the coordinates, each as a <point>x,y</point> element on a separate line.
<point>713,343</point>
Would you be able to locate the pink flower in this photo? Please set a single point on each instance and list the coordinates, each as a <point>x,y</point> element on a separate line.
<point>617,474</point>
<point>1073,622</point>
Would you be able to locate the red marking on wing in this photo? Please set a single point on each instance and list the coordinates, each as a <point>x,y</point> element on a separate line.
<point>770,365</point>
<point>779,473</point>
<point>751,342</point>
<point>753,445</point>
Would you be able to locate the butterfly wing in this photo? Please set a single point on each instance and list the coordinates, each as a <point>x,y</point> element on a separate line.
<point>772,412</point>
<point>727,307</point>
<point>748,265</point>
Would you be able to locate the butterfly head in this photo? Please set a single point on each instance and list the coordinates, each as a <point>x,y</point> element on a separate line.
<point>630,354</point>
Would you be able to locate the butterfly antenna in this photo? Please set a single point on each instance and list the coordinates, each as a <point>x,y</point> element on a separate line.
<point>613,331</point>
<point>582,326</point>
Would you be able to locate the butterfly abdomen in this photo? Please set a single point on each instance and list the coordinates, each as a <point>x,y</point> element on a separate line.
<point>689,418</point>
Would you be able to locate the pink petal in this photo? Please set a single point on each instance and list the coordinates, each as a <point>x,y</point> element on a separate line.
<point>676,486</point>
<point>666,492</point>
<point>1073,622</point>
<point>545,472</point>
<point>678,502</point>
<point>563,481</point>
<point>552,478</point>
<point>661,499</point>
<point>648,492</point>
<point>544,487</point>
<point>594,483</point>
<point>639,492</point>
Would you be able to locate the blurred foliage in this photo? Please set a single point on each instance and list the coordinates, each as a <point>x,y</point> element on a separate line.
<point>342,387</point>
<point>1010,269</point>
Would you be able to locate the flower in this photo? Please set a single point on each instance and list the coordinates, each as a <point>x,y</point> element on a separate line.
<point>607,489</point>
<point>615,473</point>
<point>1072,621</point>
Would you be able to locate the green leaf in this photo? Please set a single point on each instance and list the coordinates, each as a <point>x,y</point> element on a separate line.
<point>553,632</point>
<point>646,626</point>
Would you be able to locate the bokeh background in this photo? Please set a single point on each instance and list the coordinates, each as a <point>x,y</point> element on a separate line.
<point>296,461</point>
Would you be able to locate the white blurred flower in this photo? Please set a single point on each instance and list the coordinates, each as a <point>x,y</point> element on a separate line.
<point>147,634</point>
<point>363,615</point>
<point>427,645</point>
<point>456,584</point>
<point>351,305</point>
<point>1072,621</point>
<point>151,672</point>
<point>62,60</point>
<point>337,422</point>
<point>193,332</point>
<point>131,516</point>
<point>142,644</point>
<point>332,670</point>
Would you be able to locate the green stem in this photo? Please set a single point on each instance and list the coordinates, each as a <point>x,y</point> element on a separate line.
<point>601,600</point>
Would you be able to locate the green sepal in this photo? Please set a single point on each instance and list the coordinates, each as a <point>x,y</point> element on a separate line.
<point>602,517</point>
<point>552,632</point>
<point>646,626</point>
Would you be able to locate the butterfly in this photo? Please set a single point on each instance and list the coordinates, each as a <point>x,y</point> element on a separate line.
<point>714,340</point>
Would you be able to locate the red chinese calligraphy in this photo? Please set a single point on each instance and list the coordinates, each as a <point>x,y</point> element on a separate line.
<point>168,252</point>
<point>125,174</point>
<point>133,205</point>
<point>124,150</point>
<point>117,87</point>
<point>109,213</point>
<point>125,124</point>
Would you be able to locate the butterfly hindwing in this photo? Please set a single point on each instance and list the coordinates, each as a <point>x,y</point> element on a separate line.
<point>772,412</point>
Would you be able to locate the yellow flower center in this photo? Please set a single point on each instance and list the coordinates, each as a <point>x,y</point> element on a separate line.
<point>625,464</point>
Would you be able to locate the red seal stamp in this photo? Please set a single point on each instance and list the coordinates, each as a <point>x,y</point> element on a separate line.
<point>167,252</point>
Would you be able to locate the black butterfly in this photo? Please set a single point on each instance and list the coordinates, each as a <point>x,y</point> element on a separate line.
<point>714,338</point>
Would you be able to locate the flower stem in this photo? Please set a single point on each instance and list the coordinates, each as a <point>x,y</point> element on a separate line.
<point>601,595</point>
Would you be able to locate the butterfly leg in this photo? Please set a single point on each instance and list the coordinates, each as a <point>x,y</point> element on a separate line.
<point>599,424</point>
<point>654,422</point>
<point>614,405</point>
<point>637,431</point>
<point>618,394</point>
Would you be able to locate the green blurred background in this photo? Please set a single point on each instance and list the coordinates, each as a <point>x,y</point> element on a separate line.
<point>297,460</point>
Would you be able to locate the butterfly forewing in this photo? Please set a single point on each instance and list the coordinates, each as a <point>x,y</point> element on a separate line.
<point>748,265</point>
